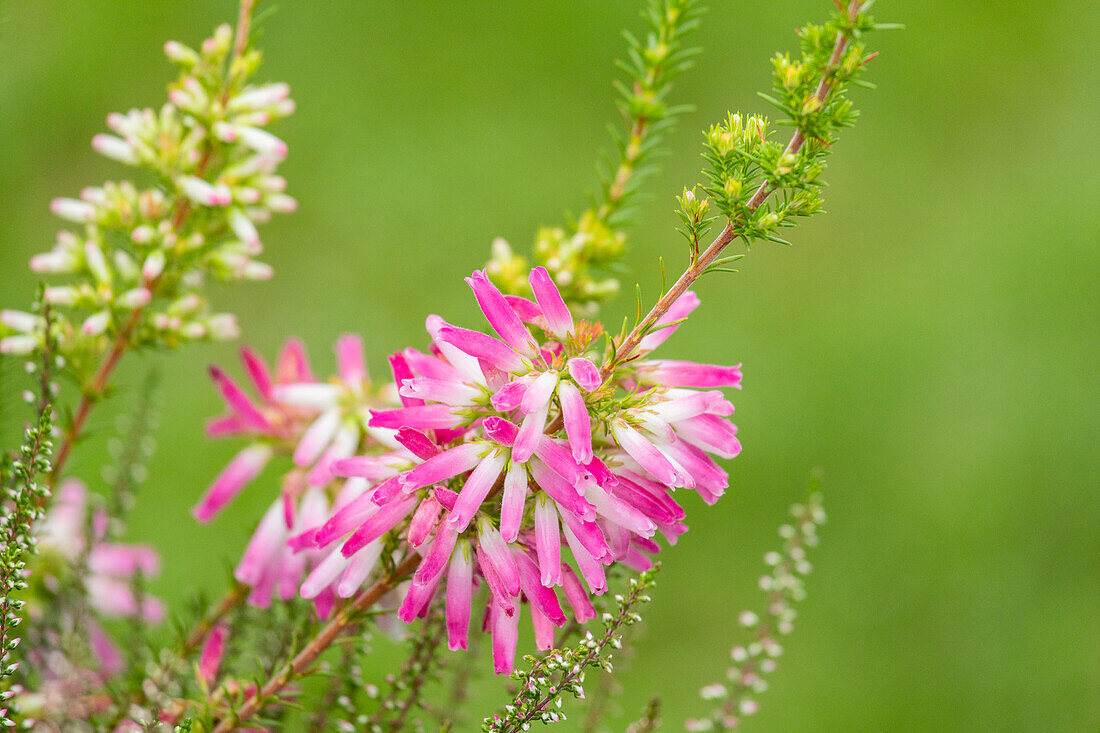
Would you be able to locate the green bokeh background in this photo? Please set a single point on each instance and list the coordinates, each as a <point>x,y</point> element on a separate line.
<point>931,342</point>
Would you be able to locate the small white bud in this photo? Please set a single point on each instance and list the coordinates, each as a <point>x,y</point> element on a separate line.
<point>73,210</point>
<point>115,148</point>
<point>18,345</point>
<point>136,298</point>
<point>96,323</point>
<point>61,295</point>
<point>21,320</point>
<point>154,265</point>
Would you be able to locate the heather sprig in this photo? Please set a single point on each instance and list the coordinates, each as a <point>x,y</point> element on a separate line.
<point>580,256</point>
<point>543,687</point>
<point>783,586</point>
<point>131,271</point>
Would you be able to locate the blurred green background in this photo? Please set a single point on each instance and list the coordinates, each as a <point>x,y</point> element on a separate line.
<point>931,342</point>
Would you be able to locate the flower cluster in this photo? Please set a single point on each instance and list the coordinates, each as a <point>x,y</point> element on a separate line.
<point>137,258</point>
<point>505,451</point>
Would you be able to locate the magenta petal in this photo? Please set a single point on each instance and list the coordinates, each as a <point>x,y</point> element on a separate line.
<point>349,360</point>
<point>424,520</point>
<point>561,491</point>
<point>417,443</point>
<point>526,310</point>
<point>509,396</point>
<point>212,650</point>
<point>505,637</point>
<point>530,434</point>
<point>545,599</point>
<point>476,488</point>
<point>238,400</point>
<point>500,431</point>
<point>578,599</point>
<point>244,467</point>
<point>482,346</point>
<point>548,540</point>
<point>500,314</point>
<point>293,364</point>
<point>511,503</point>
<point>378,524</point>
<point>689,374</point>
<point>423,417</point>
<point>449,463</point>
<point>645,453</point>
<point>550,301</point>
<point>348,518</point>
<point>620,512</point>
<point>257,372</point>
<point>498,555</point>
<point>438,555</point>
<point>584,373</point>
<point>558,458</point>
<point>591,569</point>
<point>578,426</point>
<point>460,591</point>
<point>500,596</point>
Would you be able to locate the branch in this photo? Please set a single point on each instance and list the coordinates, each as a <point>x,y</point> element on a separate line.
<point>305,658</point>
<point>625,350</point>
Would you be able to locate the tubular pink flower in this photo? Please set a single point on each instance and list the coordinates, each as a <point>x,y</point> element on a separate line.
<point>452,462</point>
<point>712,434</point>
<point>540,596</point>
<point>505,637</point>
<point>460,590</point>
<point>511,504</point>
<point>359,567</point>
<point>379,523</point>
<point>350,362</point>
<point>548,540</point>
<point>317,436</point>
<point>293,364</point>
<point>238,401</point>
<point>423,417</point>
<point>645,502</point>
<point>679,310</point>
<point>557,314</point>
<point>561,491</point>
<point>583,610</point>
<point>106,653</point>
<point>424,520</point>
<point>620,512</point>
<point>266,544</point>
<point>212,651</point>
<point>509,397</point>
<point>584,373</point>
<point>578,424</point>
<point>498,555</point>
<point>417,443</point>
<point>500,596</point>
<point>527,311</point>
<point>244,467</point>
<point>692,404</point>
<point>476,488</point>
<point>118,559</point>
<point>646,454</point>
<point>439,553</point>
<point>539,394</point>
<point>672,373</point>
<point>482,346</point>
<point>500,315</point>
<point>530,433</point>
<point>114,596</point>
<point>417,598</point>
<point>324,573</point>
<point>374,468</point>
<point>589,534</point>
<point>591,569</point>
<point>257,372</point>
<point>436,368</point>
<point>560,460</point>
<point>399,365</point>
<point>500,431</point>
<point>342,446</point>
<point>438,390</point>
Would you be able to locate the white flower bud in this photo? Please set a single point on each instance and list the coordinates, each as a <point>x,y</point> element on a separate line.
<point>73,210</point>
<point>96,323</point>
<point>18,345</point>
<point>97,263</point>
<point>136,298</point>
<point>61,295</point>
<point>114,148</point>
<point>154,265</point>
<point>243,227</point>
<point>204,193</point>
<point>143,234</point>
<point>21,320</point>
<point>193,330</point>
<point>54,262</point>
<point>181,54</point>
<point>281,203</point>
<point>223,326</point>
<point>259,97</point>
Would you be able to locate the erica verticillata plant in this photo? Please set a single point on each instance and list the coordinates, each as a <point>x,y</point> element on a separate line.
<point>529,470</point>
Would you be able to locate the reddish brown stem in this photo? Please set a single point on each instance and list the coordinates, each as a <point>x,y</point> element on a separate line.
<point>305,658</point>
<point>625,350</point>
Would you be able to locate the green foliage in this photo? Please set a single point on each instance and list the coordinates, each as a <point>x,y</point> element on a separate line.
<point>579,256</point>
<point>561,671</point>
<point>24,492</point>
